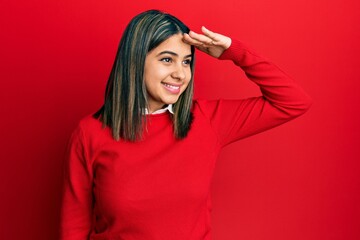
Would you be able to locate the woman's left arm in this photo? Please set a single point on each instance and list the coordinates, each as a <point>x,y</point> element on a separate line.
<point>282,98</point>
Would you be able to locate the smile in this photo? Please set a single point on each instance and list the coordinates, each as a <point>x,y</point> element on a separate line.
<point>171,88</point>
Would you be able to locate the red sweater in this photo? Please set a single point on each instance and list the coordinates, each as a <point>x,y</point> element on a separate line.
<point>158,188</point>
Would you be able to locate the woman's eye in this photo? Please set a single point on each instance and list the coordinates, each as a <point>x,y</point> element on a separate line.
<point>166,60</point>
<point>187,62</point>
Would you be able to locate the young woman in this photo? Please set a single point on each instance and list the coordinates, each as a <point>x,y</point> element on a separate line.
<point>141,167</point>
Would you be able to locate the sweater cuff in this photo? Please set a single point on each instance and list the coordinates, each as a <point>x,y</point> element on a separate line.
<point>235,50</point>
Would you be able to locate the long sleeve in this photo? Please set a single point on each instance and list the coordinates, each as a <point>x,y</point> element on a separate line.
<point>282,98</point>
<point>77,205</point>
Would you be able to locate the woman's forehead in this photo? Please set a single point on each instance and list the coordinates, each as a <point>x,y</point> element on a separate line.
<point>174,44</point>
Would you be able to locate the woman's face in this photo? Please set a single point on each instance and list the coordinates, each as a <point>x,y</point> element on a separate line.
<point>167,72</point>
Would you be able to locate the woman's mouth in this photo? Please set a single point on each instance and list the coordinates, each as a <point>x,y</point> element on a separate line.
<point>174,89</point>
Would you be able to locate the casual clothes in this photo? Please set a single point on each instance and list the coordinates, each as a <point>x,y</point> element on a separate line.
<point>159,188</point>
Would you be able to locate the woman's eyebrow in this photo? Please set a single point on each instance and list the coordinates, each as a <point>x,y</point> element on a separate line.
<point>172,53</point>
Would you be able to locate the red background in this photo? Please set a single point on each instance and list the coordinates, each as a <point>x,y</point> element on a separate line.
<point>298,181</point>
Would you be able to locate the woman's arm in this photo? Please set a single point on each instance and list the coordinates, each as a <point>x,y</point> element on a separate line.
<point>282,98</point>
<point>77,205</point>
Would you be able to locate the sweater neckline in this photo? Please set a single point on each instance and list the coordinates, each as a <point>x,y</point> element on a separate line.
<point>163,114</point>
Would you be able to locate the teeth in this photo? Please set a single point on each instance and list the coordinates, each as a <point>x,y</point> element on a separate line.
<point>171,86</point>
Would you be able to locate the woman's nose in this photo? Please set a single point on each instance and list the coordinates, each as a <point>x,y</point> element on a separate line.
<point>179,72</point>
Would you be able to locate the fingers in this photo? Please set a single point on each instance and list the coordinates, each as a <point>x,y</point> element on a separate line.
<point>192,41</point>
<point>206,38</point>
<point>209,33</point>
<point>209,42</point>
<point>189,40</point>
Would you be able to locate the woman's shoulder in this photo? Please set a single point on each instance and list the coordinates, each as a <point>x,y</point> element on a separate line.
<point>199,102</point>
<point>89,122</point>
<point>216,107</point>
<point>205,104</point>
<point>91,126</point>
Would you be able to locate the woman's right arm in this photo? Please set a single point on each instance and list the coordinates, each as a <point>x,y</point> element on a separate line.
<point>77,202</point>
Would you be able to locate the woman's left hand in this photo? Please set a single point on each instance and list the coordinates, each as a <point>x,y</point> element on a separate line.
<point>209,42</point>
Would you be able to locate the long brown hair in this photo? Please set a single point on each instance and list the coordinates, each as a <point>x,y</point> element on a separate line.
<point>125,95</point>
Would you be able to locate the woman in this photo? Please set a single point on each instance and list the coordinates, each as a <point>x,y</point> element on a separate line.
<point>141,167</point>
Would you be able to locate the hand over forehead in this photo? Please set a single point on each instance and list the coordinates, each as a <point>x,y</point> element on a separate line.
<point>209,42</point>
